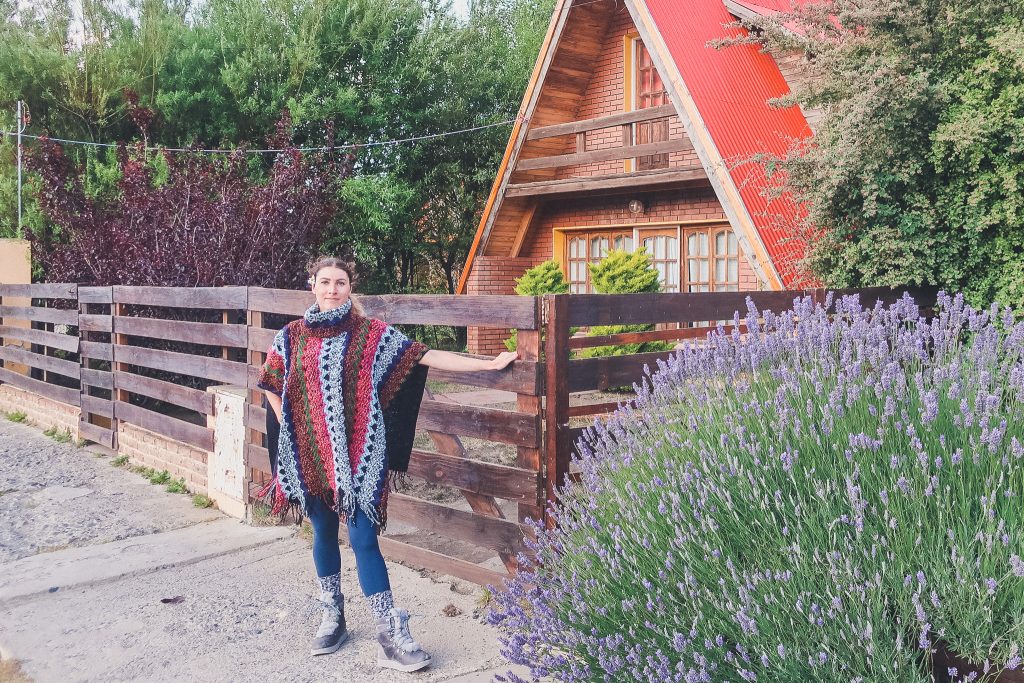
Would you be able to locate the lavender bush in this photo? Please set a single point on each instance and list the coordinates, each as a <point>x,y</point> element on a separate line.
<point>824,499</point>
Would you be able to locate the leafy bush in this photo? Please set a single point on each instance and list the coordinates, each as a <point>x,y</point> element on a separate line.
<point>824,500</point>
<point>623,272</point>
<point>58,434</point>
<point>545,278</point>
<point>201,500</point>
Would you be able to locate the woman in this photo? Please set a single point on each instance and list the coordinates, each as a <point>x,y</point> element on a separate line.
<point>346,391</point>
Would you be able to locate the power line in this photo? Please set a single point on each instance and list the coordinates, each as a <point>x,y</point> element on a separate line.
<point>361,145</point>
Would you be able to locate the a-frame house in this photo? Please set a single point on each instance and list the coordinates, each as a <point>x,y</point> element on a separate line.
<point>635,133</point>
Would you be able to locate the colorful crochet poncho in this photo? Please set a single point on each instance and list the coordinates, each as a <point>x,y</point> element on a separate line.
<point>351,388</point>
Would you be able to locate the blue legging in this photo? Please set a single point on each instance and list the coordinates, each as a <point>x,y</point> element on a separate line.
<point>362,535</point>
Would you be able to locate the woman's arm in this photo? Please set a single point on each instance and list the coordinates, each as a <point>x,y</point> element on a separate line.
<point>444,360</point>
<point>275,402</point>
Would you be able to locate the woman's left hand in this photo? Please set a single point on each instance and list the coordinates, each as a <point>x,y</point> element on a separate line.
<point>502,360</point>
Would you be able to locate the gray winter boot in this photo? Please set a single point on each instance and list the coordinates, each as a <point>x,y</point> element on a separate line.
<point>396,649</point>
<point>332,632</point>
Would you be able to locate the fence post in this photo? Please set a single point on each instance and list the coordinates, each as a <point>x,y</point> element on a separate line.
<point>528,345</point>
<point>556,411</point>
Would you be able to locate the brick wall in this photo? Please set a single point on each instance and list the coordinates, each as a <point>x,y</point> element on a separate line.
<point>42,412</point>
<point>493,275</point>
<point>143,447</point>
<point>605,96</point>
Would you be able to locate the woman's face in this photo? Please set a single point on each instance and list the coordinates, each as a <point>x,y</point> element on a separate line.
<point>332,288</point>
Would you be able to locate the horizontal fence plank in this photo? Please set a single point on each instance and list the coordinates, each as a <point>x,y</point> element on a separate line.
<point>649,336</point>
<point>41,291</point>
<point>97,406</point>
<point>230,298</point>
<point>95,295</point>
<point>510,311</point>
<point>489,532</point>
<point>257,457</point>
<point>256,418</point>
<point>212,334</point>
<point>165,425</point>
<point>586,374</point>
<point>64,342</point>
<point>620,119</point>
<point>484,478</point>
<point>66,395</point>
<point>185,397</point>
<point>924,296</point>
<point>96,434</point>
<point>403,552</point>
<point>96,350</point>
<point>260,338</point>
<point>16,354</point>
<point>518,429</point>
<point>628,309</point>
<point>416,309</point>
<point>280,301</point>
<point>94,323</point>
<point>594,409</point>
<point>101,379</point>
<point>38,314</point>
<point>216,369</point>
<point>522,377</point>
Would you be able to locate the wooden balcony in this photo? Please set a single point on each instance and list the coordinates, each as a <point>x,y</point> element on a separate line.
<point>646,179</point>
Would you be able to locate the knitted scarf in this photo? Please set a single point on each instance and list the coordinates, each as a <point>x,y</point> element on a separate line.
<point>350,388</point>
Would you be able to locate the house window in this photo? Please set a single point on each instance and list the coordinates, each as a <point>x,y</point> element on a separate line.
<point>663,246</point>
<point>648,91</point>
<point>583,248</point>
<point>690,260</point>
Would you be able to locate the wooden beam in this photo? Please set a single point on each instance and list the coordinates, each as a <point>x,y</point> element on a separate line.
<point>624,118</point>
<point>613,154</point>
<point>625,181</point>
<point>524,229</point>
<point>37,314</point>
<point>556,410</point>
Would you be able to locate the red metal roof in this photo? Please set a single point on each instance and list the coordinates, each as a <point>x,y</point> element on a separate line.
<point>731,87</point>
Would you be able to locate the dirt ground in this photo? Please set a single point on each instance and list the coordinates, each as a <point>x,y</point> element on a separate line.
<point>106,577</point>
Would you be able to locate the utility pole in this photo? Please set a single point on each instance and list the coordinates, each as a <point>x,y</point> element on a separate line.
<point>21,129</point>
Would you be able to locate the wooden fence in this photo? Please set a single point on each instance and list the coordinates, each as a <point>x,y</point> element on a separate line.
<point>684,315</point>
<point>144,356</point>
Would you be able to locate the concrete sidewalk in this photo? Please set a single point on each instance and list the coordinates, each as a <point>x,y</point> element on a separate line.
<point>213,600</point>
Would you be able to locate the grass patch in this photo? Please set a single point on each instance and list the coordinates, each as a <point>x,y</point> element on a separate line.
<point>119,461</point>
<point>177,486</point>
<point>16,416</point>
<point>201,500</point>
<point>58,434</point>
<point>159,478</point>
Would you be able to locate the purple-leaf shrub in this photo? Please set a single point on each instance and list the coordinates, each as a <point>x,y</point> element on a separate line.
<point>825,498</point>
<point>208,222</point>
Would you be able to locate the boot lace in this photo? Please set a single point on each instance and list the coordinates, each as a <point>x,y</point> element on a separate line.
<point>331,616</point>
<point>400,632</point>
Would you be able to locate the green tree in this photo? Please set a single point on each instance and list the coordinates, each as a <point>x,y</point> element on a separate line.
<point>544,278</point>
<point>914,175</point>
<point>623,272</point>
